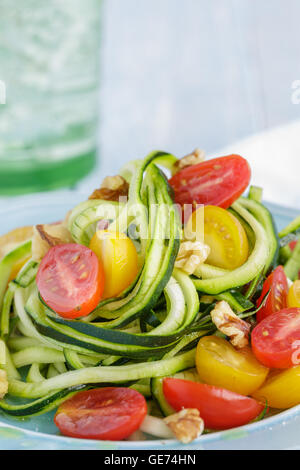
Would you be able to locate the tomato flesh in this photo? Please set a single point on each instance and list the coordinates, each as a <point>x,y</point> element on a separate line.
<point>217,182</point>
<point>70,280</point>
<point>110,413</point>
<point>282,388</point>
<point>277,284</point>
<point>119,258</point>
<point>275,338</point>
<point>219,408</point>
<point>294,295</point>
<point>222,232</point>
<point>293,244</point>
<point>220,364</point>
<point>226,237</point>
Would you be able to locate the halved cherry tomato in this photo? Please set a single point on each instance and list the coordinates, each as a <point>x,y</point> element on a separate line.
<point>294,295</point>
<point>219,408</point>
<point>119,257</point>
<point>217,182</point>
<point>282,388</point>
<point>220,364</point>
<point>70,280</point>
<point>277,284</point>
<point>274,339</point>
<point>111,413</point>
<point>226,237</point>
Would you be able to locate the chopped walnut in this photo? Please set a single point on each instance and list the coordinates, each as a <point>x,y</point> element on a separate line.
<point>112,188</point>
<point>191,254</point>
<point>3,383</point>
<point>186,425</point>
<point>47,236</point>
<point>191,159</point>
<point>231,325</point>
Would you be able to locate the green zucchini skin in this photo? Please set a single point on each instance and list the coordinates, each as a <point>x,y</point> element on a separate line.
<point>21,252</point>
<point>156,386</point>
<point>207,271</point>
<point>6,310</point>
<point>37,354</point>
<point>249,232</point>
<point>284,254</point>
<point>254,290</point>
<point>292,266</point>
<point>41,405</point>
<point>264,216</point>
<point>34,374</point>
<point>101,375</point>
<point>236,300</point>
<point>72,359</point>
<point>27,274</point>
<point>85,216</point>
<point>93,337</point>
<point>84,345</point>
<point>290,232</point>
<point>255,193</point>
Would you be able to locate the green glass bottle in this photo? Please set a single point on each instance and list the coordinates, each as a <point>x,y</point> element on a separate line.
<point>49,76</point>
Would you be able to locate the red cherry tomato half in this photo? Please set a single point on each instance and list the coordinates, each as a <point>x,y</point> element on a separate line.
<point>70,280</point>
<point>217,182</point>
<point>275,340</point>
<point>110,413</point>
<point>219,408</point>
<point>277,284</point>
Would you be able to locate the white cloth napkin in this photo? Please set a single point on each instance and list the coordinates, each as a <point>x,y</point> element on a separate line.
<point>274,157</point>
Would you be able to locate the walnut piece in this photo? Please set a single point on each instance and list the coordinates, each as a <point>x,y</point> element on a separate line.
<point>197,156</point>
<point>230,324</point>
<point>3,383</point>
<point>186,425</point>
<point>47,236</point>
<point>191,254</point>
<point>112,189</point>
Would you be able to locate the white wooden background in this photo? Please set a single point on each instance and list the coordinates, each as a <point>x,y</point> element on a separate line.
<point>183,73</point>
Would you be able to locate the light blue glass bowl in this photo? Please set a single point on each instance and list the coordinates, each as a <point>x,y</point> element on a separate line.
<point>277,432</point>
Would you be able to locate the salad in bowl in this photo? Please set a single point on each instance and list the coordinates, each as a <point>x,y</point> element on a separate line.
<point>166,305</point>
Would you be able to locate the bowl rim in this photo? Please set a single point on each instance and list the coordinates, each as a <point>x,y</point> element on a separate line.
<point>233,433</point>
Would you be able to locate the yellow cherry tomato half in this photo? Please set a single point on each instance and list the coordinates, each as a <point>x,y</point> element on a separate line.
<point>219,363</point>
<point>294,295</point>
<point>119,258</point>
<point>281,389</point>
<point>226,238</point>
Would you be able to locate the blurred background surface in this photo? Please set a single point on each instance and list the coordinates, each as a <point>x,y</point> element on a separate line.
<point>184,74</point>
<point>177,74</point>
